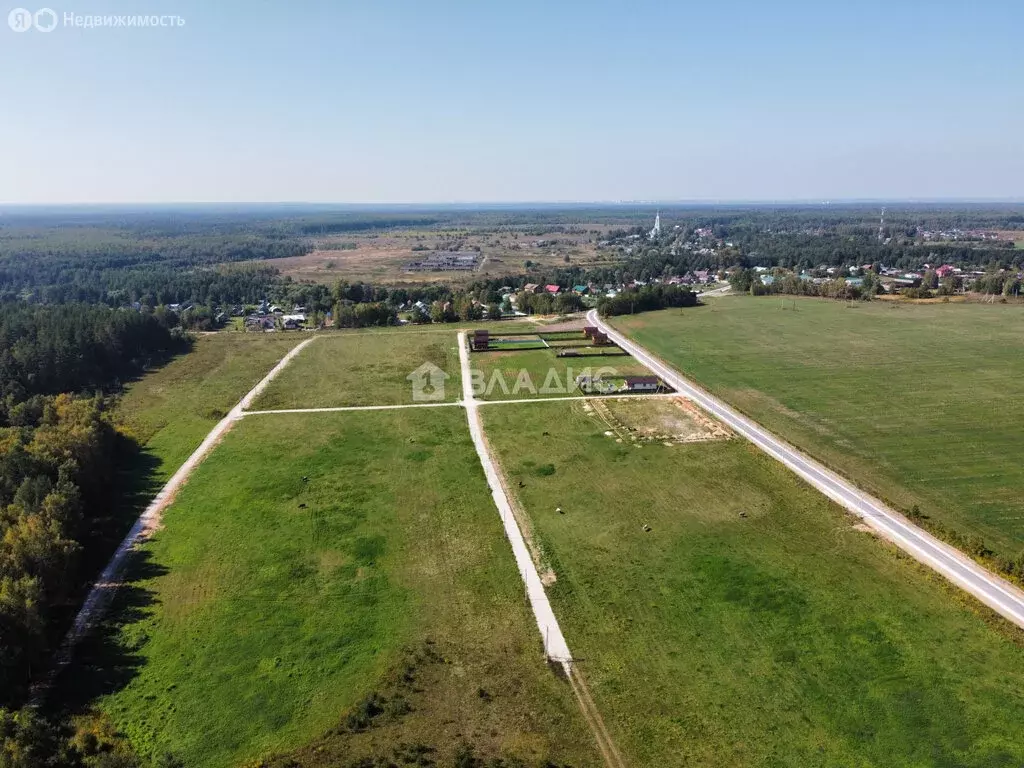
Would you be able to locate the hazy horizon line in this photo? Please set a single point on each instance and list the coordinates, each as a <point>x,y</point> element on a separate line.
<point>523,203</point>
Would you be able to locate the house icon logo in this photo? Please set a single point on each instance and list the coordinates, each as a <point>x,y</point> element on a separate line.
<point>427,383</point>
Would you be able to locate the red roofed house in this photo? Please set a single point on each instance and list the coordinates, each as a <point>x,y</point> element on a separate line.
<point>944,271</point>
<point>552,289</point>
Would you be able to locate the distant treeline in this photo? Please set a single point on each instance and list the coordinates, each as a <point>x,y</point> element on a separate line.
<point>118,270</point>
<point>332,224</point>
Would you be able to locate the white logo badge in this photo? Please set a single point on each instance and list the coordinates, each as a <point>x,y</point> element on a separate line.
<point>20,20</point>
<point>45,19</point>
<point>427,383</point>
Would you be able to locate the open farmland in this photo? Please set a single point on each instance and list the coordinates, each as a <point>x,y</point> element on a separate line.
<point>378,599</point>
<point>170,410</point>
<point>383,258</point>
<point>363,368</point>
<point>915,403</point>
<point>754,623</point>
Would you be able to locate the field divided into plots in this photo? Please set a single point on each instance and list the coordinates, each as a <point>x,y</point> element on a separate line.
<point>332,586</point>
<point>727,614</point>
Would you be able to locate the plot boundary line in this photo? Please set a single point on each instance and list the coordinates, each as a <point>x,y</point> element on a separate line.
<point>456,403</point>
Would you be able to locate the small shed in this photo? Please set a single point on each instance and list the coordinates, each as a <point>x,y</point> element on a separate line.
<point>481,341</point>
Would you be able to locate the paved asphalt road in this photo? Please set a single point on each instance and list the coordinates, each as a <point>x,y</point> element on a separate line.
<point>995,592</point>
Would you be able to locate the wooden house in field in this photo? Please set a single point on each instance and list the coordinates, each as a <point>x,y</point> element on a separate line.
<point>481,341</point>
<point>601,339</point>
<point>589,330</point>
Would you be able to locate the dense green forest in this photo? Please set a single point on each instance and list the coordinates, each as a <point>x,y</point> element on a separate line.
<point>57,454</point>
<point>118,258</point>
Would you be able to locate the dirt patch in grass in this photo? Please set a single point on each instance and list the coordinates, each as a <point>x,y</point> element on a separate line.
<point>568,325</point>
<point>662,420</point>
<point>902,398</point>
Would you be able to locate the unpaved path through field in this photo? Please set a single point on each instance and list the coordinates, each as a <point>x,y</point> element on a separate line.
<point>555,646</point>
<point>106,585</point>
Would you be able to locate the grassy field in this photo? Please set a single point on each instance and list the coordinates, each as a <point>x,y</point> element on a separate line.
<point>378,600</point>
<point>918,404</point>
<point>348,369</point>
<point>529,373</point>
<point>752,625</point>
<point>171,410</point>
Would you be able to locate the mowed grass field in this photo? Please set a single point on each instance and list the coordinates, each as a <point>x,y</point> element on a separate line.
<point>783,638</point>
<point>374,605</point>
<point>350,369</point>
<point>539,373</point>
<point>170,410</point>
<point>918,404</point>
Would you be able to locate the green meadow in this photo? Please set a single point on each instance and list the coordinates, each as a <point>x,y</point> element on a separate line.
<point>352,369</point>
<point>725,614</point>
<point>330,588</point>
<point>170,410</point>
<point>919,404</point>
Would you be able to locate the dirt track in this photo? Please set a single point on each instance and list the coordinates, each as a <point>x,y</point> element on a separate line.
<point>106,585</point>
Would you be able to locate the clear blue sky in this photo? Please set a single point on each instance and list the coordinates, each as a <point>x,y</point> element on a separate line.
<point>421,101</point>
